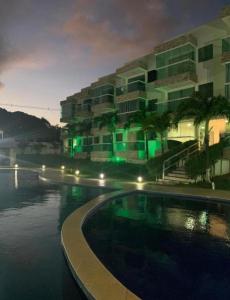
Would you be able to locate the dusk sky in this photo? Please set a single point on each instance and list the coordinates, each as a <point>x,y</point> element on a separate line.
<point>50,49</point>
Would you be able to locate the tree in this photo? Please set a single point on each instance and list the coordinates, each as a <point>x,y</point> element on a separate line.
<point>158,123</point>
<point>202,110</point>
<point>108,120</point>
<point>139,117</point>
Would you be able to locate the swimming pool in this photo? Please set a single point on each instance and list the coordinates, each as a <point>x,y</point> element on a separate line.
<point>32,264</point>
<point>163,247</point>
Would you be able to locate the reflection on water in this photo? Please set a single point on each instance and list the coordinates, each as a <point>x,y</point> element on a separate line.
<point>32,265</point>
<point>165,248</point>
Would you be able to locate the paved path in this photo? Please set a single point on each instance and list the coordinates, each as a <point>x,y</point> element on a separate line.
<point>61,177</point>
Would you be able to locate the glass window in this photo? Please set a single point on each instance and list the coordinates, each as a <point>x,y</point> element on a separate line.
<point>227,73</point>
<point>206,90</point>
<point>137,78</point>
<point>129,106</point>
<point>140,135</point>
<point>226,45</point>
<point>96,140</point>
<point>173,70</point>
<point>152,105</point>
<point>175,55</point>
<point>181,93</point>
<point>107,138</point>
<point>119,137</point>
<point>205,53</point>
<point>227,91</point>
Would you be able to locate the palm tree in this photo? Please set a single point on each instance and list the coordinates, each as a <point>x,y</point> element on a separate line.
<point>202,110</point>
<point>138,117</point>
<point>109,120</point>
<point>158,123</point>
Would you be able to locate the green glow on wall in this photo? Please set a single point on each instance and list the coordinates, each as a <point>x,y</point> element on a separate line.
<point>141,154</point>
<point>117,159</point>
<point>154,146</point>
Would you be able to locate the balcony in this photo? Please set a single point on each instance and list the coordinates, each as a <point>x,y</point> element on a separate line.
<point>67,111</point>
<point>182,40</point>
<point>103,104</point>
<point>83,111</point>
<point>131,91</point>
<point>132,69</point>
<point>176,81</point>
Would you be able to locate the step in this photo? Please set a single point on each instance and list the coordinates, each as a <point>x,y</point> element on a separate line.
<point>178,171</point>
<point>172,174</point>
<point>177,179</point>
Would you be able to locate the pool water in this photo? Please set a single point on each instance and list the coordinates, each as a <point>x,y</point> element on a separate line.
<point>164,247</point>
<point>32,264</point>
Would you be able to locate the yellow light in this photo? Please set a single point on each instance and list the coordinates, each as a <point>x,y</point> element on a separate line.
<point>43,167</point>
<point>77,172</point>
<point>102,176</point>
<point>140,179</point>
<point>62,168</point>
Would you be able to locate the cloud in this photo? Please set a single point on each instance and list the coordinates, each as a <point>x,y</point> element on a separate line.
<point>118,28</point>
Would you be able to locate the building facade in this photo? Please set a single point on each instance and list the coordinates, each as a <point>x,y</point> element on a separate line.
<point>98,118</point>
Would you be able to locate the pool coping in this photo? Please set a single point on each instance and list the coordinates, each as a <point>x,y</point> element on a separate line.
<point>96,281</point>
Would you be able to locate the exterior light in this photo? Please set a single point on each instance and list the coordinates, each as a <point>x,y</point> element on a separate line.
<point>140,179</point>
<point>43,167</point>
<point>77,172</point>
<point>102,176</point>
<point>16,166</point>
<point>189,124</point>
<point>226,121</point>
<point>62,168</point>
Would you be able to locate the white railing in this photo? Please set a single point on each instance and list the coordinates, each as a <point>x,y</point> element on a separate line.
<point>180,156</point>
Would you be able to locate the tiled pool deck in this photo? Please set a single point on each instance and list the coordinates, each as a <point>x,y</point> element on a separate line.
<point>95,280</point>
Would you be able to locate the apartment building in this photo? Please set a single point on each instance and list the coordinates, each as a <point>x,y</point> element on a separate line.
<point>198,60</point>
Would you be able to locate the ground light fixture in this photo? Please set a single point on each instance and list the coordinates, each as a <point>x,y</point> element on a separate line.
<point>62,168</point>
<point>16,166</point>
<point>77,172</point>
<point>139,179</point>
<point>102,176</point>
<point>43,167</point>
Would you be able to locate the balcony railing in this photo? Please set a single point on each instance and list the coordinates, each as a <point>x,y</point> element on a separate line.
<point>102,147</point>
<point>129,146</point>
<point>131,87</point>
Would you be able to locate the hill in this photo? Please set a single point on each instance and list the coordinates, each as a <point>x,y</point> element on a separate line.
<point>22,126</point>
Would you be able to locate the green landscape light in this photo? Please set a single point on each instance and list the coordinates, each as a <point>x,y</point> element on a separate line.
<point>77,172</point>
<point>102,176</point>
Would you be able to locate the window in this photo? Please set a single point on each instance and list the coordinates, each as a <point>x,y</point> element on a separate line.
<point>130,106</point>
<point>119,137</point>
<point>205,53</point>
<point>140,135</point>
<point>185,93</point>
<point>137,78</point>
<point>107,89</point>
<point>152,76</point>
<point>107,138</point>
<point>184,67</point>
<point>152,105</point>
<point>206,90</point>
<point>175,55</point>
<point>226,45</point>
<point>227,73</point>
<point>96,140</point>
<point>227,91</point>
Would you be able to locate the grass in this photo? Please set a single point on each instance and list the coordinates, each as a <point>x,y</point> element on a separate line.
<point>124,171</point>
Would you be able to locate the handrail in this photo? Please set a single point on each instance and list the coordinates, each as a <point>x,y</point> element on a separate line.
<point>179,154</point>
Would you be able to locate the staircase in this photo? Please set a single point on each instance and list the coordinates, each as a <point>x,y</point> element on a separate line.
<point>178,175</point>
<point>173,167</point>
